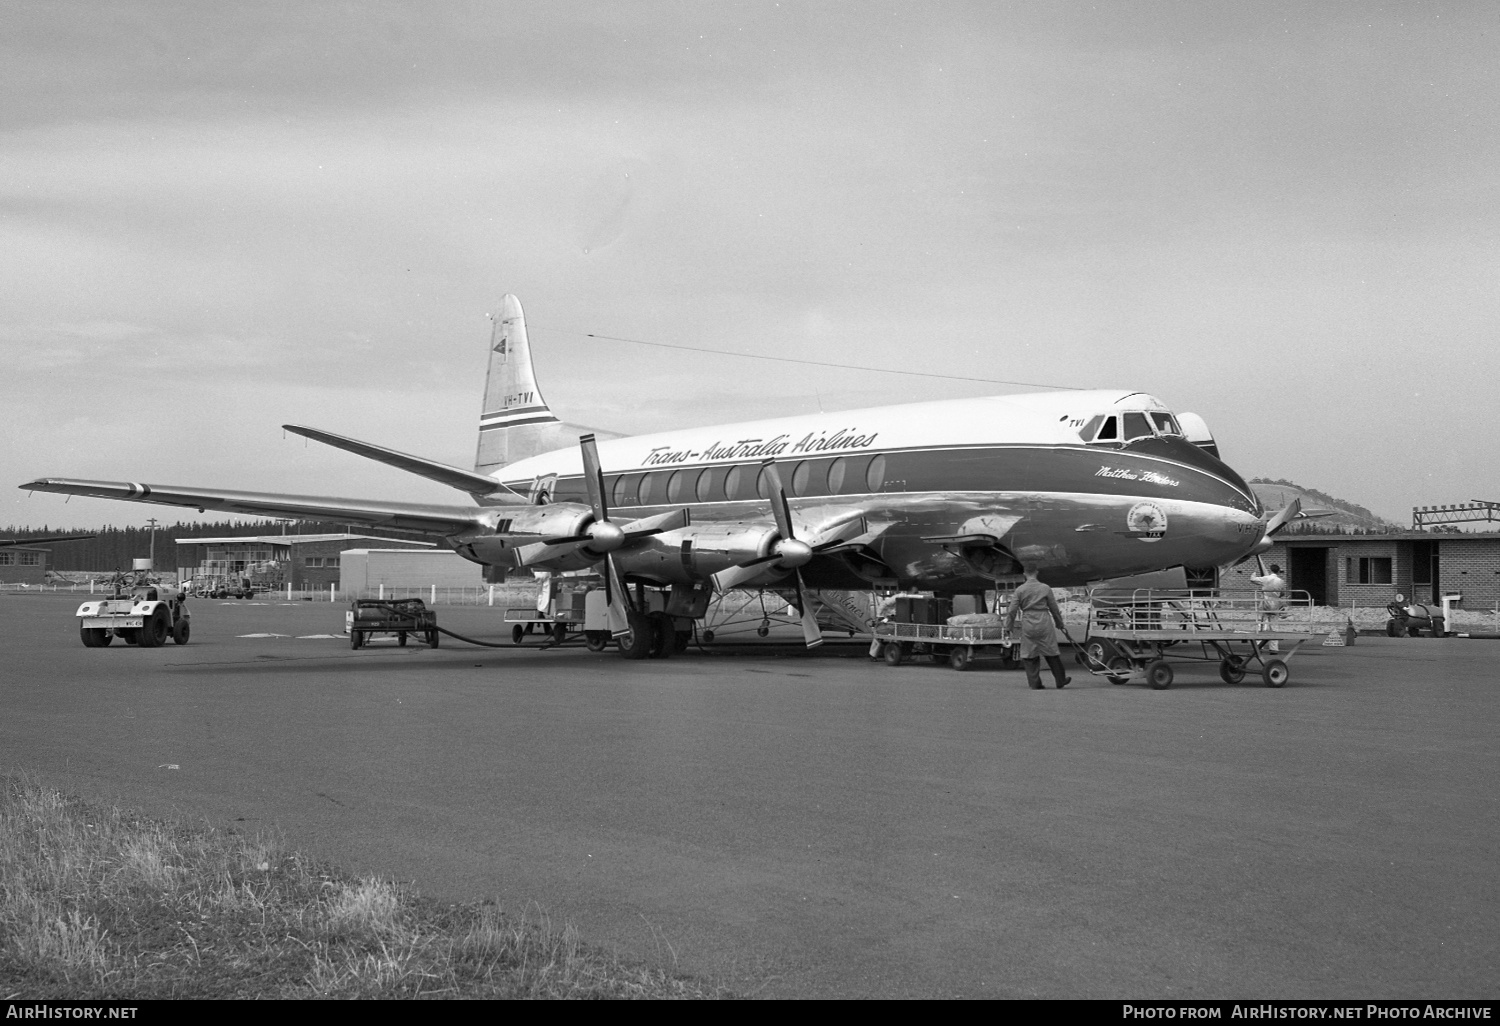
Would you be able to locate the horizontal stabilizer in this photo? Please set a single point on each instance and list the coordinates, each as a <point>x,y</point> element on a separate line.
<point>12,542</point>
<point>400,516</point>
<point>464,480</point>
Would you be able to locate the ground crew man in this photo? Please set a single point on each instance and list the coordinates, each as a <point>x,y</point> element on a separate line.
<point>1272,601</point>
<point>1036,608</point>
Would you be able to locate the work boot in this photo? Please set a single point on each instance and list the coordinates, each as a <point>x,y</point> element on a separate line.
<point>1055,663</point>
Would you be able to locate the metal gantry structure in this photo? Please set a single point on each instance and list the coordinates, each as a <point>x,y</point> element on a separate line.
<point>1473,511</point>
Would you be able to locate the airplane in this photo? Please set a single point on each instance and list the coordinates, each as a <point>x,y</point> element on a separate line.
<point>952,496</point>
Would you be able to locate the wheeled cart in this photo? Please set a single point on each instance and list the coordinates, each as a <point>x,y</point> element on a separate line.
<point>956,646</point>
<point>402,617</point>
<point>1139,635</point>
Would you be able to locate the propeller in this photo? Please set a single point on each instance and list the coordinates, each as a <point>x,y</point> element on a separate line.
<point>614,586</point>
<point>1292,511</point>
<point>790,553</point>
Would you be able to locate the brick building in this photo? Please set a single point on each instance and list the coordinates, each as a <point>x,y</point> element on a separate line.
<point>1368,569</point>
<point>305,562</point>
<point>22,564</point>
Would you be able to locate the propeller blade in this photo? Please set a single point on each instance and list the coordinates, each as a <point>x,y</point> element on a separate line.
<point>1281,519</point>
<point>593,477</point>
<point>658,524</point>
<point>614,591</point>
<point>812,634</point>
<point>779,507</point>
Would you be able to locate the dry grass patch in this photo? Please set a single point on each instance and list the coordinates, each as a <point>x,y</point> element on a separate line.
<point>97,902</point>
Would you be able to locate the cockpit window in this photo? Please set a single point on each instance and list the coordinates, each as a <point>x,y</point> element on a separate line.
<point>1137,426</point>
<point>1109,431</point>
<point>1166,424</point>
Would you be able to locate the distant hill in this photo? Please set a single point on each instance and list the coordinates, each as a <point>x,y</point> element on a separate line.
<point>1348,518</point>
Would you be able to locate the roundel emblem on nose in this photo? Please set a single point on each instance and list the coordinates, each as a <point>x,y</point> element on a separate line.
<point>1147,521</point>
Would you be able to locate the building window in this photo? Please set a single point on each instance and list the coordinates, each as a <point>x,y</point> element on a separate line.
<point>314,560</point>
<point>1375,570</point>
<point>332,561</point>
<point>7,559</point>
<point>31,559</point>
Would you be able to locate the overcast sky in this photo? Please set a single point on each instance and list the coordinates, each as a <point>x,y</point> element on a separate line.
<point>217,218</point>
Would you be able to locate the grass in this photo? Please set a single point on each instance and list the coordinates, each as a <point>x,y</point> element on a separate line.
<point>97,902</point>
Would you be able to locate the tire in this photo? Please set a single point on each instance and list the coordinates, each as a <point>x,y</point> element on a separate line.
<point>1391,630</point>
<point>1231,672</point>
<point>249,595</point>
<point>961,658</point>
<point>154,630</point>
<point>517,633</point>
<point>1275,673</point>
<point>93,637</point>
<point>761,632</point>
<point>432,638</point>
<point>181,632</point>
<point>635,643</point>
<point>681,640</point>
<point>129,635</point>
<point>662,635</point>
<point>892,653</point>
<point>559,633</point>
<point>1121,666</point>
<point>356,639</point>
<point>597,641</point>
<point>1095,654</point>
<point>708,637</point>
<point>401,638</point>
<point>1159,674</point>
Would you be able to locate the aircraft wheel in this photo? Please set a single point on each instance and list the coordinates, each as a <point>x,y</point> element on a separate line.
<point>597,641</point>
<point>154,630</point>
<point>1231,671</point>
<point>893,654</point>
<point>1159,674</point>
<point>961,658</point>
<point>517,633</point>
<point>1275,673</point>
<point>181,632</point>
<point>662,636</point>
<point>708,637</point>
<point>1121,667</point>
<point>635,643</point>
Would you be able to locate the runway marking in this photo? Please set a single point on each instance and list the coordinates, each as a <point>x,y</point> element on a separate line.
<point>335,637</point>
<point>263,635</point>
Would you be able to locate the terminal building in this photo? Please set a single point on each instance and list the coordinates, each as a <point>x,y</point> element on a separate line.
<point>303,562</point>
<point>1368,569</point>
<point>22,564</point>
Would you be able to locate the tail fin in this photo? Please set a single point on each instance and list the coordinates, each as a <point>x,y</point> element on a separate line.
<point>516,422</point>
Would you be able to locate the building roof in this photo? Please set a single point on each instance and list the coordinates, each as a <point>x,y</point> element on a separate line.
<point>295,539</point>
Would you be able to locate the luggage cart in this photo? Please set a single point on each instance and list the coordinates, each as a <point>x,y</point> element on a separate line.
<point>1137,636</point>
<point>957,646</point>
<point>401,617</point>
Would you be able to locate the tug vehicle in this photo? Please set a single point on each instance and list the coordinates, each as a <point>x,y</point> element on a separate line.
<point>141,611</point>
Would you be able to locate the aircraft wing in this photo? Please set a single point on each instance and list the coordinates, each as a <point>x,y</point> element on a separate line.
<point>402,516</point>
<point>11,542</point>
<point>476,484</point>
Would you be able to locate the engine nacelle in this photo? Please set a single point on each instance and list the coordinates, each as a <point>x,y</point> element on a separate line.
<point>696,553</point>
<point>517,538</point>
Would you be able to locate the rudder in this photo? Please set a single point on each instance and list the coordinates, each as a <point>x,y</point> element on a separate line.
<point>515,422</point>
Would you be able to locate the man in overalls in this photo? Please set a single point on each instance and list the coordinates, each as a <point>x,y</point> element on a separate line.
<point>1034,605</point>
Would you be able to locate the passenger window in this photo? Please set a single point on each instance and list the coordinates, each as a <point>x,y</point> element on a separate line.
<point>875,473</point>
<point>801,477</point>
<point>620,495</point>
<point>649,484</point>
<point>763,483</point>
<point>705,488</point>
<point>732,482</point>
<point>836,474</point>
<point>1110,432</point>
<point>677,486</point>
